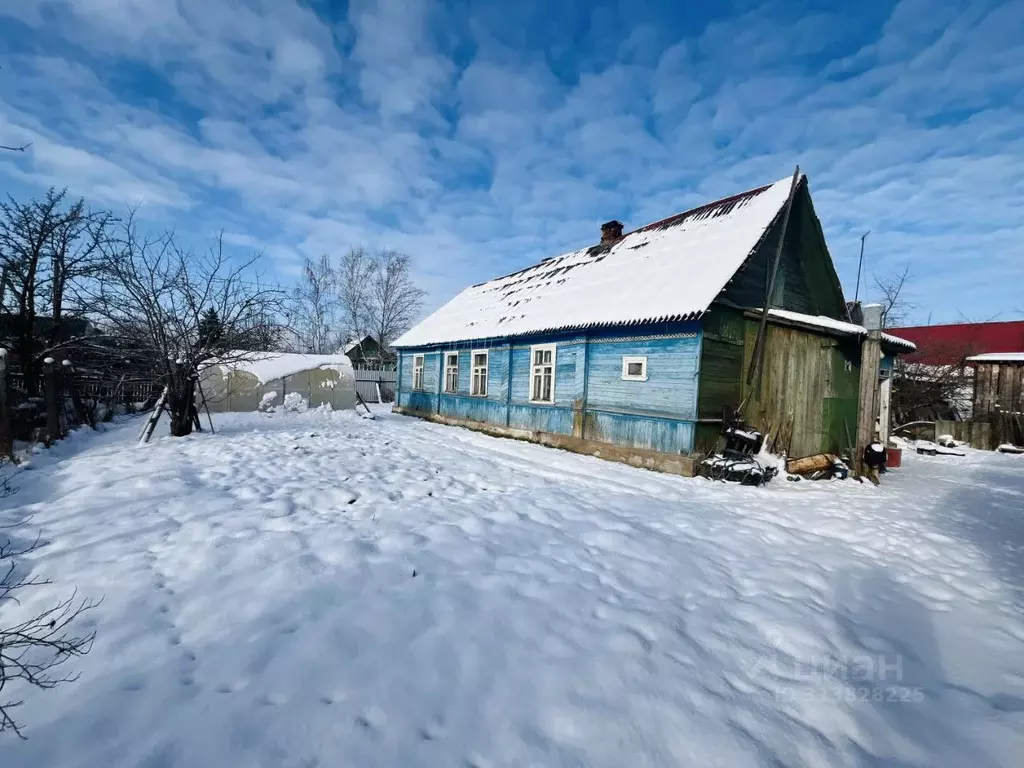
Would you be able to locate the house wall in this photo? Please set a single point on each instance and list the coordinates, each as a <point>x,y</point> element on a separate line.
<point>591,400</point>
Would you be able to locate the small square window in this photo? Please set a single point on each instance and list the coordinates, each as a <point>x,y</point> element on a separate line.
<point>634,369</point>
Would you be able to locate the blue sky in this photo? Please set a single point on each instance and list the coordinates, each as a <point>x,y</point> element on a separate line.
<point>481,136</point>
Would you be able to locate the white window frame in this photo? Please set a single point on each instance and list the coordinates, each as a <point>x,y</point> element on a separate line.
<point>628,360</point>
<point>538,370</point>
<point>449,370</point>
<point>475,370</point>
<point>417,372</point>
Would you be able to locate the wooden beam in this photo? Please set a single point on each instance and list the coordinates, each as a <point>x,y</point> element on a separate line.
<point>867,405</point>
<point>757,359</point>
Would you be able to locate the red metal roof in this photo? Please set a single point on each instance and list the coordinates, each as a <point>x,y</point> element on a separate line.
<point>946,344</point>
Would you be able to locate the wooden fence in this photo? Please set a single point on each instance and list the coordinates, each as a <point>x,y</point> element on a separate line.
<point>376,386</point>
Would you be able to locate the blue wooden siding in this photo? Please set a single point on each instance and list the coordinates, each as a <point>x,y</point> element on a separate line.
<point>657,414</point>
<point>671,386</point>
<point>565,373</point>
<point>641,432</point>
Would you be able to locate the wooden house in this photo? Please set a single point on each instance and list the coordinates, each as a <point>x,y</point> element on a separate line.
<point>635,348</point>
<point>366,352</point>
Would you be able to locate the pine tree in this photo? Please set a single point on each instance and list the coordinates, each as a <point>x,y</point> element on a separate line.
<point>211,329</point>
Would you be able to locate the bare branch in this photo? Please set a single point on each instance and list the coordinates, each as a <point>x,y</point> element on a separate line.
<point>395,300</point>
<point>32,649</point>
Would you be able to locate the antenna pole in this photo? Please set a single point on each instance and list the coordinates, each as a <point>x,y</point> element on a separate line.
<point>860,265</point>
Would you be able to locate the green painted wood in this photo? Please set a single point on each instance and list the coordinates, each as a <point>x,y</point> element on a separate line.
<point>721,366</point>
<point>807,280</point>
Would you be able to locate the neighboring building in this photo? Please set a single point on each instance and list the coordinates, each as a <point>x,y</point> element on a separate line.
<point>636,348</point>
<point>367,353</point>
<point>241,380</point>
<point>941,373</point>
<point>953,344</point>
<point>998,383</point>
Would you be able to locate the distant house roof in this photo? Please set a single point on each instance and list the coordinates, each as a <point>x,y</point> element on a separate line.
<point>997,357</point>
<point>669,270</point>
<point>948,344</point>
<point>353,343</point>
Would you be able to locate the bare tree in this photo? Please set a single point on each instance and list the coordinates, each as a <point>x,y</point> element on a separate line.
<point>33,650</point>
<point>153,299</point>
<point>892,297</point>
<point>923,391</point>
<point>314,307</point>
<point>395,300</point>
<point>355,275</point>
<point>46,251</point>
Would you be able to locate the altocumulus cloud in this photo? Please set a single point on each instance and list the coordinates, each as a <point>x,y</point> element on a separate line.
<point>481,137</point>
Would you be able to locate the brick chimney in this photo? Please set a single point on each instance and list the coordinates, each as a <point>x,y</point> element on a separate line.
<point>611,232</point>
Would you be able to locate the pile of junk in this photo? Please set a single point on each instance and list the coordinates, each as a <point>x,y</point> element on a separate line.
<point>743,460</point>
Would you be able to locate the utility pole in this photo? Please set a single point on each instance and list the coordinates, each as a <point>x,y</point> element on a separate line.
<point>860,265</point>
<point>867,396</point>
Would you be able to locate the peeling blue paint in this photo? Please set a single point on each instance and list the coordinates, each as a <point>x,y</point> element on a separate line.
<point>590,394</point>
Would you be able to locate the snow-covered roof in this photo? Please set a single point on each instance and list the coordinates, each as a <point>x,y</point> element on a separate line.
<point>669,270</point>
<point>818,321</point>
<point>997,357</point>
<point>353,343</point>
<point>897,341</point>
<point>268,366</point>
<point>835,326</point>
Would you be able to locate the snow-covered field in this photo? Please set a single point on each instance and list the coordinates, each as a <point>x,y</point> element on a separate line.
<point>323,590</point>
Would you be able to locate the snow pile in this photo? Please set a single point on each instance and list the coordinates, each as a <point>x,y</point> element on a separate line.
<point>316,589</point>
<point>295,403</point>
<point>267,402</point>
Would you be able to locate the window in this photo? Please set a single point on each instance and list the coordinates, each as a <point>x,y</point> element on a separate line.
<point>634,369</point>
<point>479,360</point>
<point>542,378</point>
<point>417,372</point>
<point>451,372</point>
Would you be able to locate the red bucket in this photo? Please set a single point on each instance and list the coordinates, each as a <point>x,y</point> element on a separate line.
<point>893,458</point>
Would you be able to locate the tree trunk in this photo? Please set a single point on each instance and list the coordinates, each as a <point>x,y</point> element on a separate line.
<point>180,402</point>
<point>6,443</point>
<point>52,397</point>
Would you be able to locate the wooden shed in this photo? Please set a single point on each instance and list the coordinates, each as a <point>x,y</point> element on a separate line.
<point>999,396</point>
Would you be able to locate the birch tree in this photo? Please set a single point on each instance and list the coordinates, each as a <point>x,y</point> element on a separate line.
<point>395,299</point>
<point>355,274</point>
<point>314,307</point>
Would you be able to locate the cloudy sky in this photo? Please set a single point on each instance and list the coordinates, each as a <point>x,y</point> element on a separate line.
<point>482,136</point>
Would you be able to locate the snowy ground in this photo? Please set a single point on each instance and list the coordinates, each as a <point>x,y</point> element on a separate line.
<point>311,590</point>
